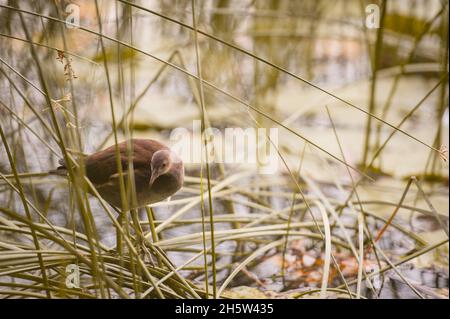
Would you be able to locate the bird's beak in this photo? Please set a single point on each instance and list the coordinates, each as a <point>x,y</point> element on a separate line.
<point>154,176</point>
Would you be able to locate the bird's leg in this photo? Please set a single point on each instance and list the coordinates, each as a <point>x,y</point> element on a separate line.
<point>151,224</point>
<point>140,235</point>
<point>119,239</point>
<point>137,227</point>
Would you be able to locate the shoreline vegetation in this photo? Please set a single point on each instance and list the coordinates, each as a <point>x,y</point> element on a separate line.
<point>348,99</point>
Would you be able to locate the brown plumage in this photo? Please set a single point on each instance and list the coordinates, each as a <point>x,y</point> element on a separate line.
<point>158,172</point>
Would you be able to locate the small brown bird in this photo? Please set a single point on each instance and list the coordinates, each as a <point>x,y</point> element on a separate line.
<point>158,172</point>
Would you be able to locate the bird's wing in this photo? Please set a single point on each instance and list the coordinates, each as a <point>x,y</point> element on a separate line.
<point>149,145</point>
<point>102,166</point>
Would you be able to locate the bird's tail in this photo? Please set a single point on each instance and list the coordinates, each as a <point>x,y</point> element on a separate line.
<point>60,170</point>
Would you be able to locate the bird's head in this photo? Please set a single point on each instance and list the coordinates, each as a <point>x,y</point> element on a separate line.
<point>161,163</point>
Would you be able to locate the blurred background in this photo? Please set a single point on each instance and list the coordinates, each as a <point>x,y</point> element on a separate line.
<point>357,89</point>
